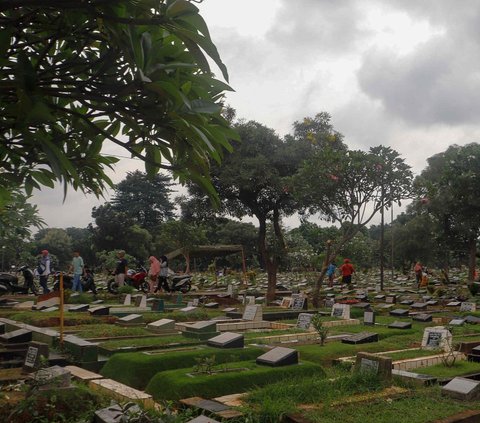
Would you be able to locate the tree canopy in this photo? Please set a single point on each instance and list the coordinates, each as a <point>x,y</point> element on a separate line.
<point>78,74</point>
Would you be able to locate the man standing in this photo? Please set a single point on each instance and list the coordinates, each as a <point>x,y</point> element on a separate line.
<point>44,270</point>
<point>347,270</point>
<point>77,267</point>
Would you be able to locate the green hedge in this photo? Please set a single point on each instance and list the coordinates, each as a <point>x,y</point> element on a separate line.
<point>177,384</point>
<point>136,369</point>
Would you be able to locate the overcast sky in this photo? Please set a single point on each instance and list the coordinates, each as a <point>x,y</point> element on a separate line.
<point>402,73</point>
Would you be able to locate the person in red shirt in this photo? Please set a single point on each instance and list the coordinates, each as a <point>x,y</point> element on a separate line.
<point>347,270</point>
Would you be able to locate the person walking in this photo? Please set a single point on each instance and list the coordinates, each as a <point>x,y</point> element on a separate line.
<point>153,273</point>
<point>162,279</point>
<point>44,270</point>
<point>121,269</point>
<point>418,269</point>
<point>347,270</point>
<point>331,273</point>
<point>77,267</point>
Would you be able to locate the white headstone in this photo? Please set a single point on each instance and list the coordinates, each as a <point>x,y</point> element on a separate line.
<point>341,310</point>
<point>250,300</point>
<point>128,300</point>
<point>436,337</point>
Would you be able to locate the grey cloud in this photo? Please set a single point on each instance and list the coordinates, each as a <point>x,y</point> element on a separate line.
<point>306,28</point>
<point>438,82</point>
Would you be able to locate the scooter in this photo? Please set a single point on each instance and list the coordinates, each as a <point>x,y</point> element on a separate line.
<point>182,283</point>
<point>87,282</point>
<point>136,278</point>
<point>9,282</point>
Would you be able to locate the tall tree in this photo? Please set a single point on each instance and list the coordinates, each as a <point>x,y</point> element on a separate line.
<point>78,74</point>
<point>57,242</point>
<point>144,199</point>
<point>449,189</point>
<point>350,188</point>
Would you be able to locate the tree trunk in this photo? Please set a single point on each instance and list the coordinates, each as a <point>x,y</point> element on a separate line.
<point>269,262</point>
<point>472,260</point>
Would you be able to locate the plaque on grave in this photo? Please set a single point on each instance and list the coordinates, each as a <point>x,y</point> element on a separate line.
<point>141,301</point>
<point>437,337</point>
<point>468,307</point>
<point>279,356</point>
<point>298,303</point>
<point>369,317</point>
<point>196,302</point>
<point>341,311</point>
<point>286,302</point>
<point>158,304</point>
<point>462,388</point>
<point>227,340</point>
<point>400,325</point>
<point>361,338</point>
<point>329,302</point>
<point>366,362</point>
<point>304,321</point>
<point>33,357</point>
<point>253,313</point>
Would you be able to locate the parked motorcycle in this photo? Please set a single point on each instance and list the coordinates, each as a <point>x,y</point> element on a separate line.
<point>9,282</point>
<point>87,281</point>
<point>136,278</point>
<point>182,283</point>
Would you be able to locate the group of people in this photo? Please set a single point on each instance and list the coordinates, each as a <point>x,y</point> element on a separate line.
<point>346,271</point>
<point>157,273</point>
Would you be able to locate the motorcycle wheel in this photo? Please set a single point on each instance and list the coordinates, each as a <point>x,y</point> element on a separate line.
<point>185,287</point>
<point>145,287</point>
<point>56,286</point>
<point>112,286</point>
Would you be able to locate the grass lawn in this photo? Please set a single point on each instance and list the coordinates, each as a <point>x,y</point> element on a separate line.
<point>108,330</point>
<point>461,367</point>
<point>154,341</point>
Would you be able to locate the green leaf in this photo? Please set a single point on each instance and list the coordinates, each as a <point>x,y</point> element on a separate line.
<point>204,106</point>
<point>181,7</point>
<point>154,160</point>
<point>44,178</point>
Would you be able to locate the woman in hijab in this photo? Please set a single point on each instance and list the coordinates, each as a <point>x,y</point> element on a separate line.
<point>153,273</point>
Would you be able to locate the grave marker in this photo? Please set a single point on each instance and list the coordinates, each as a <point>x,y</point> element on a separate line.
<point>162,325</point>
<point>399,312</point>
<point>286,301</point>
<point>391,299</point>
<point>369,318</point>
<point>52,378</point>
<point>468,307</point>
<point>141,301</point>
<point>422,317</point>
<point>128,300</point>
<point>400,325</point>
<point>304,321</point>
<point>361,338</point>
<point>381,366</point>
<point>227,340</point>
<point>253,313</point>
<point>33,357</point>
<point>19,336</point>
<point>462,388</point>
<point>341,310</point>
<point>279,356</point>
<point>298,302</point>
<point>99,311</point>
<point>158,304</point>
<point>436,337</point>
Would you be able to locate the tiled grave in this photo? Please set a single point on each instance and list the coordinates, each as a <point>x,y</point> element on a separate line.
<point>279,356</point>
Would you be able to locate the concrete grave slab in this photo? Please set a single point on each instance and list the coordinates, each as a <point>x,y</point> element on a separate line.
<point>472,320</point>
<point>422,317</point>
<point>457,322</point>
<point>407,302</point>
<point>203,419</point>
<point>468,307</point>
<point>361,338</point>
<point>454,304</point>
<point>131,319</point>
<point>82,375</point>
<point>99,311</point>
<point>52,378</point>
<point>253,313</point>
<point>227,340</point>
<point>19,336</point>
<point>399,312</point>
<point>419,306</point>
<point>79,308</point>
<point>162,325</point>
<point>188,310</point>
<point>121,392</point>
<point>400,325</point>
<point>462,388</point>
<point>279,356</point>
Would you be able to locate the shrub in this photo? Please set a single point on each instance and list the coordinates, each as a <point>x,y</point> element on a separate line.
<point>322,331</point>
<point>177,384</point>
<point>136,369</point>
<point>125,289</point>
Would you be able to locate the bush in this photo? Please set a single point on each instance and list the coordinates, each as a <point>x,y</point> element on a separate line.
<point>136,369</point>
<point>177,384</point>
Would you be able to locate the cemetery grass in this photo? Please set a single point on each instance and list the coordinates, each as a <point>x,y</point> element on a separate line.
<point>108,330</point>
<point>460,368</point>
<point>153,341</point>
<point>136,369</point>
<point>182,383</point>
<point>418,406</point>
